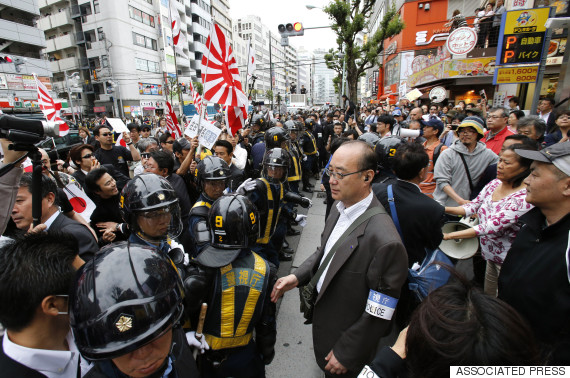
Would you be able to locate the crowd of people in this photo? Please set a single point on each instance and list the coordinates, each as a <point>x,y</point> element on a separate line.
<point>176,225</point>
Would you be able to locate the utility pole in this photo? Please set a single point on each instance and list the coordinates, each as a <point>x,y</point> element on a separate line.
<point>270,69</point>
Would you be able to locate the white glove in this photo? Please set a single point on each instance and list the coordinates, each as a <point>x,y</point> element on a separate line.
<point>302,219</point>
<point>246,186</point>
<point>305,158</point>
<point>201,344</point>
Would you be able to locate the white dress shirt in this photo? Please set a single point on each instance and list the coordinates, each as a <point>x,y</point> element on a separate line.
<point>544,117</point>
<point>240,157</point>
<point>51,363</point>
<point>347,216</point>
<point>50,220</point>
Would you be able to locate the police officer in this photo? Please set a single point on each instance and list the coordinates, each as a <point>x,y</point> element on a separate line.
<point>308,144</point>
<point>385,150</point>
<point>237,284</point>
<point>149,206</point>
<point>212,175</point>
<point>257,129</point>
<point>269,197</point>
<point>125,313</point>
<point>295,170</point>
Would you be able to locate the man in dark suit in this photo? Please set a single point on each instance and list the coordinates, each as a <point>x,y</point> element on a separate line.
<point>419,216</point>
<point>51,216</point>
<point>224,150</point>
<point>370,264</point>
<point>36,273</point>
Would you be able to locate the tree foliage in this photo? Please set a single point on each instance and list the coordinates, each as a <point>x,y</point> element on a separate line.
<point>349,20</point>
<point>198,87</point>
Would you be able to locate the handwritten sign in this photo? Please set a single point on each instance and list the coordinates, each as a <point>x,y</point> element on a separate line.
<point>118,125</point>
<point>206,132</point>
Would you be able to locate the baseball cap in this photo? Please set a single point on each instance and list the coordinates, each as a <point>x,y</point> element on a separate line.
<point>474,122</point>
<point>180,144</point>
<point>396,113</point>
<point>557,154</point>
<point>434,122</point>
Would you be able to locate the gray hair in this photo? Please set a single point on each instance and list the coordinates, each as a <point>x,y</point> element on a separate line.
<point>145,143</point>
<point>505,112</point>
<point>533,120</point>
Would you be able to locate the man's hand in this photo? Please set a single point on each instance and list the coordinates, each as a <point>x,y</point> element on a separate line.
<point>282,285</point>
<point>38,229</point>
<point>108,236</point>
<point>126,137</point>
<point>9,155</point>
<point>107,226</point>
<point>400,345</point>
<point>334,367</point>
<point>246,186</point>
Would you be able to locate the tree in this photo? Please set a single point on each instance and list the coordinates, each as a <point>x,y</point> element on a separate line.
<point>269,94</point>
<point>349,19</point>
<point>198,87</point>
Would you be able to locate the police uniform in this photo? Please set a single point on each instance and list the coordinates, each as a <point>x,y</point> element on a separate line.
<point>295,169</point>
<point>198,224</point>
<point>309,145</point>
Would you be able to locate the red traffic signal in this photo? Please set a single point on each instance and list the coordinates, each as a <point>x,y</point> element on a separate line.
<point>291,29</point>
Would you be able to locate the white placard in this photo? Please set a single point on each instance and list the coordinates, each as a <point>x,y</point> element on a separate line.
<point>208,133</point>
<point>118,125</point>
<point>414,94</point>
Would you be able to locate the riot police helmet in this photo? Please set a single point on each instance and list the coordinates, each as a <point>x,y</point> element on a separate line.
<point>291,125</point>
<point>370,138</point>
<point>275,136</point>
<point>309,123</point>
<point>386,150</point>
<point>212,168</point>
<point>126,297</point>
<point>258,120</point>
<point>149,198</point>
<point>275,165</point>
<point>234,224</point>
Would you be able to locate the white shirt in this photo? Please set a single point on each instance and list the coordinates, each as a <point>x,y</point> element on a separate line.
<point>240,157</point>
<point>51,363</point>
<point>50,220</point>
<point>544,117</point>
<point>347,216</point>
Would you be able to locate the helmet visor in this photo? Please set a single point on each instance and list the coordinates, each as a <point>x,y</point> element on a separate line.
<point>161,222</point>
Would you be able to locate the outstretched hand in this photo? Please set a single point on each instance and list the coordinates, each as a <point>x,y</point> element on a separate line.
<point>283,285</point>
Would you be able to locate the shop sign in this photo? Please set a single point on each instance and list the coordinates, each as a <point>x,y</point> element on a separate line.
<point>461,41</point>
<point>519,4</point>
<point>554,61</point>
<point>469,67</point>
<point>150,89</point>
<point>513,75</point>
<point>429,74</point>
<point>99,109</point>
<point>15,82</point>
<point>437,94</point>
<point>391,48</point>
<point>422,37</point>
<point>152,104</point>
<point>522,36</point>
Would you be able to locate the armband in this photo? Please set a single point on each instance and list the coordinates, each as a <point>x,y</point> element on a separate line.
<point>380,305</point>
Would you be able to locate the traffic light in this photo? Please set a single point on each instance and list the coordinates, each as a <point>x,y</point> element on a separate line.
<point>5,59</point>
<point>291,29</point>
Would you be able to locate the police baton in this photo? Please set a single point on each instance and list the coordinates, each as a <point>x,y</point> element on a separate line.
<point>201,320</point>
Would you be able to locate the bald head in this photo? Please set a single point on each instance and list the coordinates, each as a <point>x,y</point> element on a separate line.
<point>416,114</point>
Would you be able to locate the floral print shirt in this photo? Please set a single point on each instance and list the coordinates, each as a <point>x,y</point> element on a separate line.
<point>498,220</point>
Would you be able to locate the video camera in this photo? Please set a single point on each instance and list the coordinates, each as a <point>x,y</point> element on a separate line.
<point>26,131</point>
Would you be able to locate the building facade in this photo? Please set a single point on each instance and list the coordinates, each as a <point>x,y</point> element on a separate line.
<point>22,42</point>
<point>323,92</point>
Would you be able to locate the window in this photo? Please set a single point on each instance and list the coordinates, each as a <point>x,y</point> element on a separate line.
<point>149,1</point>
<point>104,61</point>
<point>146,65</point>
<point>141,16</point>
<point>100,34</point>
<point>96,6</point>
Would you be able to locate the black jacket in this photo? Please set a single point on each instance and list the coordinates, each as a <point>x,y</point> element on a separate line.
<point>534,280</point>
<point>184,365</point>
<point>85,240</point>
<point>11,368</point>
<point>236,178</point>
<point>420,217</point>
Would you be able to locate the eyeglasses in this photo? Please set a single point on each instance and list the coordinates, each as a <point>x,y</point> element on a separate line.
<point>145,155</point>
<point>88,156</point>
<point>495,116</point>
<point>340,176</point>
<point>169,142</point>
<point>106,134</point>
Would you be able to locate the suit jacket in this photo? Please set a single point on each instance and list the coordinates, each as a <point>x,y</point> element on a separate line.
<point>236,178</point>
<point>420,217</point>
<point>12,368</point>
<point>371,257</point>
<point>85,240</point>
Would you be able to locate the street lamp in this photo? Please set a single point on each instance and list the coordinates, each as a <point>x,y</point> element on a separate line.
<point>309,7</point>
<point>74,76</point>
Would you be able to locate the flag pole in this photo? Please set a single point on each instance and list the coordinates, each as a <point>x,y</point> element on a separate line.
<point>180,108</point>
<point>247,69</point>
<point>199,150</point>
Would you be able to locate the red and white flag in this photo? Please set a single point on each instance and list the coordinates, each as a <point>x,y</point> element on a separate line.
<point>251,61</point>
<point>196,98</point>
<point>27,165</point>
<point>178,39</point>
<point>172,122</point>
<point>220,75</point>
<point>235,118</point>
<point>120,141</point>
<point>50,108</point>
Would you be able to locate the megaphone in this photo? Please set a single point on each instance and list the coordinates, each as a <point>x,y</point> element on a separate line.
<point>460,249</point>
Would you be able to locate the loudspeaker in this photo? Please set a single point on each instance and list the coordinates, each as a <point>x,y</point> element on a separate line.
<point>458,249</point>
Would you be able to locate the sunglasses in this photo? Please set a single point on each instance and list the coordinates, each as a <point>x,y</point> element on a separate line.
<point>169,142</point>
<point>145,155</point>
<point>88,156</point>
<point>106,134</point>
